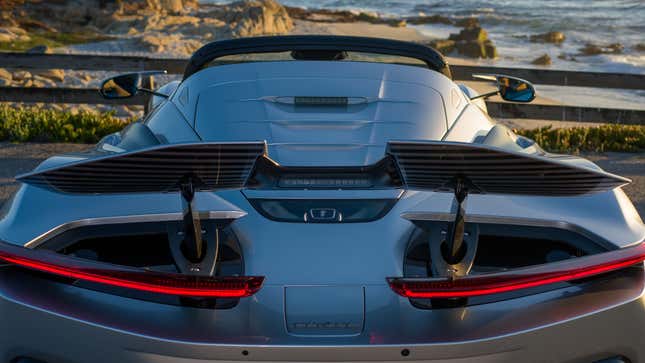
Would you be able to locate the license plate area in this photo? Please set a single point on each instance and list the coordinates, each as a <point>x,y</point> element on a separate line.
<point>324,310</point>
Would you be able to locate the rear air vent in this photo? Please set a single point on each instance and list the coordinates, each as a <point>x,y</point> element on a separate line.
<point>134,260</point>
<point>147,250</point>
<point>321,101</point>
<point>503,247</point>
<point>309,101</point>
<point>141,245</point>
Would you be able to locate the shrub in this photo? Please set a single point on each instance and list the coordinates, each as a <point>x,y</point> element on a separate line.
<point>625,138</point>
<point>21,124</point>
<point>52,40</point>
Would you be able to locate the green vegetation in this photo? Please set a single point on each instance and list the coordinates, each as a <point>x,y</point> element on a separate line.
<point>625,138</point>
<point>21,124</point>
<point>52,40</point>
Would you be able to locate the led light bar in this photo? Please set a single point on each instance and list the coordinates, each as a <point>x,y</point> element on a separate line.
<point>518,279</point>
<point>130,278</point>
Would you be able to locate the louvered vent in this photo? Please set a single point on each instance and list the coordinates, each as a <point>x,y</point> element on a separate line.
<point>436,165</point>
<point>210,166</point>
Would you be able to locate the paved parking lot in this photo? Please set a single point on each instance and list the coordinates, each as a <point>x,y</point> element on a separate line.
<point>20,158</point>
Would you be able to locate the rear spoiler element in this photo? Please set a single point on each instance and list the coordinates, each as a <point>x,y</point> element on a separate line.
<point>464,168</point>
<point>164,168</point>
<point>315,45</point>
<point>182,168</point>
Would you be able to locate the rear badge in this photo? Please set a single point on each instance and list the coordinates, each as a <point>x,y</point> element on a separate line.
<point>325,215</point>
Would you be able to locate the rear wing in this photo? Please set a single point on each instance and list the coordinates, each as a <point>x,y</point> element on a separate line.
<point>464,168</point>
<point>165,168</point>
<point>315,44</point>
<point>438,166</point>
<point>183,168</point>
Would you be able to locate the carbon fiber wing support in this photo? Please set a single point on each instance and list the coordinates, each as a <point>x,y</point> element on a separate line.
<point>182,168</point>
<point>465,168</point>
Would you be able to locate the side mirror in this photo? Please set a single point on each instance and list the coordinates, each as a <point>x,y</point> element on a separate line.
<point>126,85</point>
<point>121,86</point>
<point>509,88</point>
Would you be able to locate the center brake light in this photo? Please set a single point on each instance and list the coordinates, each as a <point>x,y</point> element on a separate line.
<point>517,279</point>
<point>131,278</point>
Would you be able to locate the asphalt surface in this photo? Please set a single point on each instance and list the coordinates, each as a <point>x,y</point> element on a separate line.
<point>16,159</point>
<point>19,158</point>
<point>629,165</point>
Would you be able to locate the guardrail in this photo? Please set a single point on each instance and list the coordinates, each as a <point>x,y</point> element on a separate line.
<point>28,61</point>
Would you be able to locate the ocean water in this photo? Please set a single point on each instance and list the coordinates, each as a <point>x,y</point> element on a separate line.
<point>510,23</point>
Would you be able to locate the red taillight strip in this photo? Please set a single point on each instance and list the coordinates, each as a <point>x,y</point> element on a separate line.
<point>477,285</point>
<point>135,279</point>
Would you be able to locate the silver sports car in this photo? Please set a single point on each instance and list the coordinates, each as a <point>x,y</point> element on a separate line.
<point>327,199</point>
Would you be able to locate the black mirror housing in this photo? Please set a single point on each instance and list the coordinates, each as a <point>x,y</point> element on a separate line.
<point>125,85</point>
<point>121,86</point>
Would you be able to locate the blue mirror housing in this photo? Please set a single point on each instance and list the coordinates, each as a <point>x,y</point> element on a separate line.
<point>511,89</point>
<point>515,89</point>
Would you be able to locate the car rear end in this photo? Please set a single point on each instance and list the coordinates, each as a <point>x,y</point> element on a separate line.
<point>307,241</point>
<point>325,297</point>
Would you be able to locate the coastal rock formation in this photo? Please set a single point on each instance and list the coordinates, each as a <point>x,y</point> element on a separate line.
<point>593,49</point>
<point>5,77</point>
<point>171,43</point>
<point>473,42</point>
<point>257,17</point>
<point>174,27</point>
<point>549,37</point>
<point>53,74</point>
<point>445,46</point>
<point>640,47</point>
<point>567,57</point>
<point>173,7</point>
<point>467,22</point>
<point>544,60</point>
<point>428,19</point>
<point>470,34</point>
<point>473,49</point>
<point>185,33</point>
<point>21,76</point>
<point>342,16</point>
<point>12,34</point>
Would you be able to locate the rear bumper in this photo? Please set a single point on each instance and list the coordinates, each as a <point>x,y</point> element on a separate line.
<point>33,332</point>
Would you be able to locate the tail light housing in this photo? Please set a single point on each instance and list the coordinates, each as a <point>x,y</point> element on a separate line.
<point>518,279</point>
<point>130,278</point>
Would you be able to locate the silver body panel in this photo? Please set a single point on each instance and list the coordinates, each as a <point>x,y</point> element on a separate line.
<point>325,297</point>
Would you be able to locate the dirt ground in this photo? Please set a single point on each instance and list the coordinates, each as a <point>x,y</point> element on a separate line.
<point>19,158</point>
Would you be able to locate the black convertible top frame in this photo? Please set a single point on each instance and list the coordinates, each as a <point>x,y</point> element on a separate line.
<point>319,43</point>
